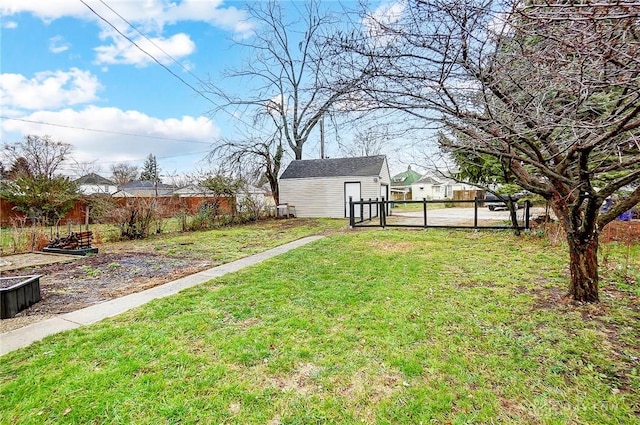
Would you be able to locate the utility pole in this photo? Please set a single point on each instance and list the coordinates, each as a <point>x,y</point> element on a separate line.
<point>322,137</point>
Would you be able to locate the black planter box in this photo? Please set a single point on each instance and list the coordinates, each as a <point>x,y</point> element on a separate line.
<point>75,251</point>
<point>18,296</point>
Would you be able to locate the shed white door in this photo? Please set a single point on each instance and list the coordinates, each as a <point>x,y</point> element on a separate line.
<point>352,190</point>
<point>384,193</point>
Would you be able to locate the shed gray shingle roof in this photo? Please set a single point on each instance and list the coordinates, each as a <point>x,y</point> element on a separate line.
<point>335,167</point>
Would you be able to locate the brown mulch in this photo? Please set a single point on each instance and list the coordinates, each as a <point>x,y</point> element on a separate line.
<point>67,287</point>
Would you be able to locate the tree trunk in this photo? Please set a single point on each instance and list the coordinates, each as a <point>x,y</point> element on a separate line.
<point>583,264</point>
<point>513,214</point>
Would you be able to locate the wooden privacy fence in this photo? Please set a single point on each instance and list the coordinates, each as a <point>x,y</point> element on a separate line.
<point>378,213</point>
<point>167,206</point>
<point>9,215</point>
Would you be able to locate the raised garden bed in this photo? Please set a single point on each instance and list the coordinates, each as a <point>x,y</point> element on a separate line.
<point>18,293</point>
<point>78,251</point>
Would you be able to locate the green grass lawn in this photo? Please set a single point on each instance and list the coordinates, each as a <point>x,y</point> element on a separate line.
<point>226,244</point>
<point>376,327</point>
<point>219,245</point>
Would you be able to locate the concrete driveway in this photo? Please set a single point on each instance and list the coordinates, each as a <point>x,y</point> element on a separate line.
<point>459,217</point>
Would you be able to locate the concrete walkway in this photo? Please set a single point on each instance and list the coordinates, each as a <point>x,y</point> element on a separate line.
<point>26,335</point>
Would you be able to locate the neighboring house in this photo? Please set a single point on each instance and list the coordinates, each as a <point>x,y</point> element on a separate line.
<point>144,189</point>
<point>92,184</point>
<point>322,187</point>
<point>401,184</point>
<point>193,190</point>
<point>258,197</point>
<point>434,188</point>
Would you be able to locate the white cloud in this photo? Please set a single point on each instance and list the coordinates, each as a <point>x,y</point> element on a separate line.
<point>150,15</point>
<point>124,52</point>
<point>385,15</point>
<point>275,104</point>
<point>9,25</point>
<point>230,18</point>
<point>48,89</point>
<point>108,148</point>
<point>499,25</point>
<point>45,10</point>
<point>58,44</point>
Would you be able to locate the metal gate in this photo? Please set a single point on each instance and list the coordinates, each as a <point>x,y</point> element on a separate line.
<point>380,213</point>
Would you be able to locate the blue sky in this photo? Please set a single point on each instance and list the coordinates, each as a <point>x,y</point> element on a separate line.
<point>61,64</point>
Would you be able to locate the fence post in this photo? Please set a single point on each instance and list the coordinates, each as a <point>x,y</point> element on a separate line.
<point>475,213</point>
<point>383,216</point>
<point>424,209</point>
<point>369,208</point>
<point>352,219</point>
<point>361,210</point>
<point>526,214</point>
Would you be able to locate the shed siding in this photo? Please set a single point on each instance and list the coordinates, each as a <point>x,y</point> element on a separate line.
<point>384,174</point>
<point>323,196</point>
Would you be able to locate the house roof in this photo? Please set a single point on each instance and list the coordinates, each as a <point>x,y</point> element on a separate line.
<point>145,184</point>
<point>123,194</point>
<point>335,167</point>
<point>194,189</point>
<point>94,179</point>
<point>405,178</point>
<point>428,180</point>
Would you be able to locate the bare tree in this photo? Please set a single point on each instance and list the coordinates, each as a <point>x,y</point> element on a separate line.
<point>254,156</point>
<point>287,71</point>
<point>367,142</point>
<point>177,179</point>
<point>123,173</point>
<point>261,158</point>
<point>37,156</point>
<point>88,167</point>
<point>550,89</point>
<point>35,187</point>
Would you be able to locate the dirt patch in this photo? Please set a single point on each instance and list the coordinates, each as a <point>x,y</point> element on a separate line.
<point>301,381</point>
<point>85,281</point>
<point>8,282</point>
<point>391,246</point>
<point>30,259</point>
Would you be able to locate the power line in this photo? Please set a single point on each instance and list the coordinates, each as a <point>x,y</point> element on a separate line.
<point>106,131</point>
<point>147,53</point>
<point>154,44</point>
<point>143,159</point>
<point>232,115</point>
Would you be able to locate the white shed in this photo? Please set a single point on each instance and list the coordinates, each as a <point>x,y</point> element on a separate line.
<point>322,187</point>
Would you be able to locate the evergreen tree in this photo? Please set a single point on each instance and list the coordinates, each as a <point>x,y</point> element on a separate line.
<point>150,170</point>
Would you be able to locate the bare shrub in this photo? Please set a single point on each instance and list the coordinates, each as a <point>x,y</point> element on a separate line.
<point>136,217</point>
<point>36,240</point>
<point>18,234</point>
<point>250,208</point>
